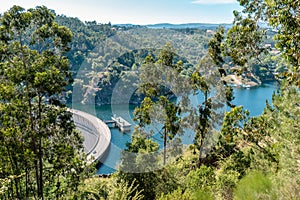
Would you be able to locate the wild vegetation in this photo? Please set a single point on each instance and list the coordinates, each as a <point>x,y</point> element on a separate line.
<point>234,156</point>
<point>41,153</point>
<point>101,55</point>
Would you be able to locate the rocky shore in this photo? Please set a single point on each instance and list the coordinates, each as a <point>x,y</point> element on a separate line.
<point>240,81</point>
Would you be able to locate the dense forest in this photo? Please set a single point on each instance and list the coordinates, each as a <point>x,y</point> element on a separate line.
<point>48,60</point>
<point>101,55</point>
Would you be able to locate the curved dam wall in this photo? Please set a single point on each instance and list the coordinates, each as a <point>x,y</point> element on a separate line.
<point>95,132</point>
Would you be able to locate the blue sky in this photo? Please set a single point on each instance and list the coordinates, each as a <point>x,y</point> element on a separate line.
<point>137,11</point>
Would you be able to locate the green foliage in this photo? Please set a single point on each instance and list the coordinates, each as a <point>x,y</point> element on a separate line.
<point>273,13</point>
<point>202,194</point>
<point>254,185</point>
<point>176,195</point>
<point>171,119</point>
<point>124,191</point>
<point>143,112</point>
<point>230,140</point>
<point>187,195</point>
<point>155,77</point>
<point>86,36</point>
<point>139,162</point>
<point>144,153</point>
<point>268,142</point>
<point>244,40</point>
<point>199,83</point>
<point>226,182</point>
<point>201,178</point>
<point>215,47</point>
<point>100,189</point>
<point>283,122</point>
<point>93,188</point>
<point>284,17</point>
<point>166,55</point>
<point>167,181</point>
<point>107,55</point>
<point>41,154</point>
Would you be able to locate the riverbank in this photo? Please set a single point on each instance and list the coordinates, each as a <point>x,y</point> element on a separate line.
<point>252,99</point>
<point>240,81</point>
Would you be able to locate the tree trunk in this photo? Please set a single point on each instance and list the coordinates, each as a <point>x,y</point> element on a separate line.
<point>165,146</point>
<point>40,155</point>
<point>26,183</point>
<point>203,130</point>
<point>36,166</point>
<point>40,191</point>
<point>200,150</point>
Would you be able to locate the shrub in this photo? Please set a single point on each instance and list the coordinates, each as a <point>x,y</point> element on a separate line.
<point>253,186</point>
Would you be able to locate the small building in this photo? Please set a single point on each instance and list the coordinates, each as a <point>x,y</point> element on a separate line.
<point>123,125</point>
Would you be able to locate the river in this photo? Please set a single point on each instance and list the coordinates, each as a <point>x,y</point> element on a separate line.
<point>252,99</point>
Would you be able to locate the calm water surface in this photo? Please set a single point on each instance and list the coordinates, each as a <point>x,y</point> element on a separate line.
<point>252,99</point>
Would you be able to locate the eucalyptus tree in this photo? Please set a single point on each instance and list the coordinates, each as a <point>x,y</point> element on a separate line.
<point>159,82</point>
<point>283,16</point>
<point>203,115</point>
<point>207,81</point>
<point>41,154</point>
<point>278,128</point>
<point>139,163</point>
<point>272,137</point>
<point>244,42</point>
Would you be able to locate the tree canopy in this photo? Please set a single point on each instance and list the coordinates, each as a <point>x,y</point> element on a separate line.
<point>41,153</point>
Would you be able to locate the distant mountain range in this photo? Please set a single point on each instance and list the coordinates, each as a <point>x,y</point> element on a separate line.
<point>188,25</point>
<point>179,26</point>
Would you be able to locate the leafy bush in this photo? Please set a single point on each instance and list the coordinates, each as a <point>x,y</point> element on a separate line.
<point>124,191</point>
<point>202,194</point>
<point>226,181</point>
<point>176,195</point>
<point>179,194</point>
<point>203,177</point>
<point>254,186</point>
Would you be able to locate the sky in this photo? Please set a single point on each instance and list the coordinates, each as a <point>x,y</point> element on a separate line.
<point>137,11</point>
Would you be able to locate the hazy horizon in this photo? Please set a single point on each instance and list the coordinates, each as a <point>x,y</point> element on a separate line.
<point>139,12</point>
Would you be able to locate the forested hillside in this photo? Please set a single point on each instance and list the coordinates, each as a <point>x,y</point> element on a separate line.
<point>102,54</point>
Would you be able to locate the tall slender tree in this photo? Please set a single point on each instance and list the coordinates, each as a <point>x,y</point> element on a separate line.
<point>40,150</point>
<point>158,84</point>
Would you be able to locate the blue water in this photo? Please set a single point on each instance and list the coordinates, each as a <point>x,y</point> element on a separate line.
<point>252,99</point>
<point>118,139</point>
